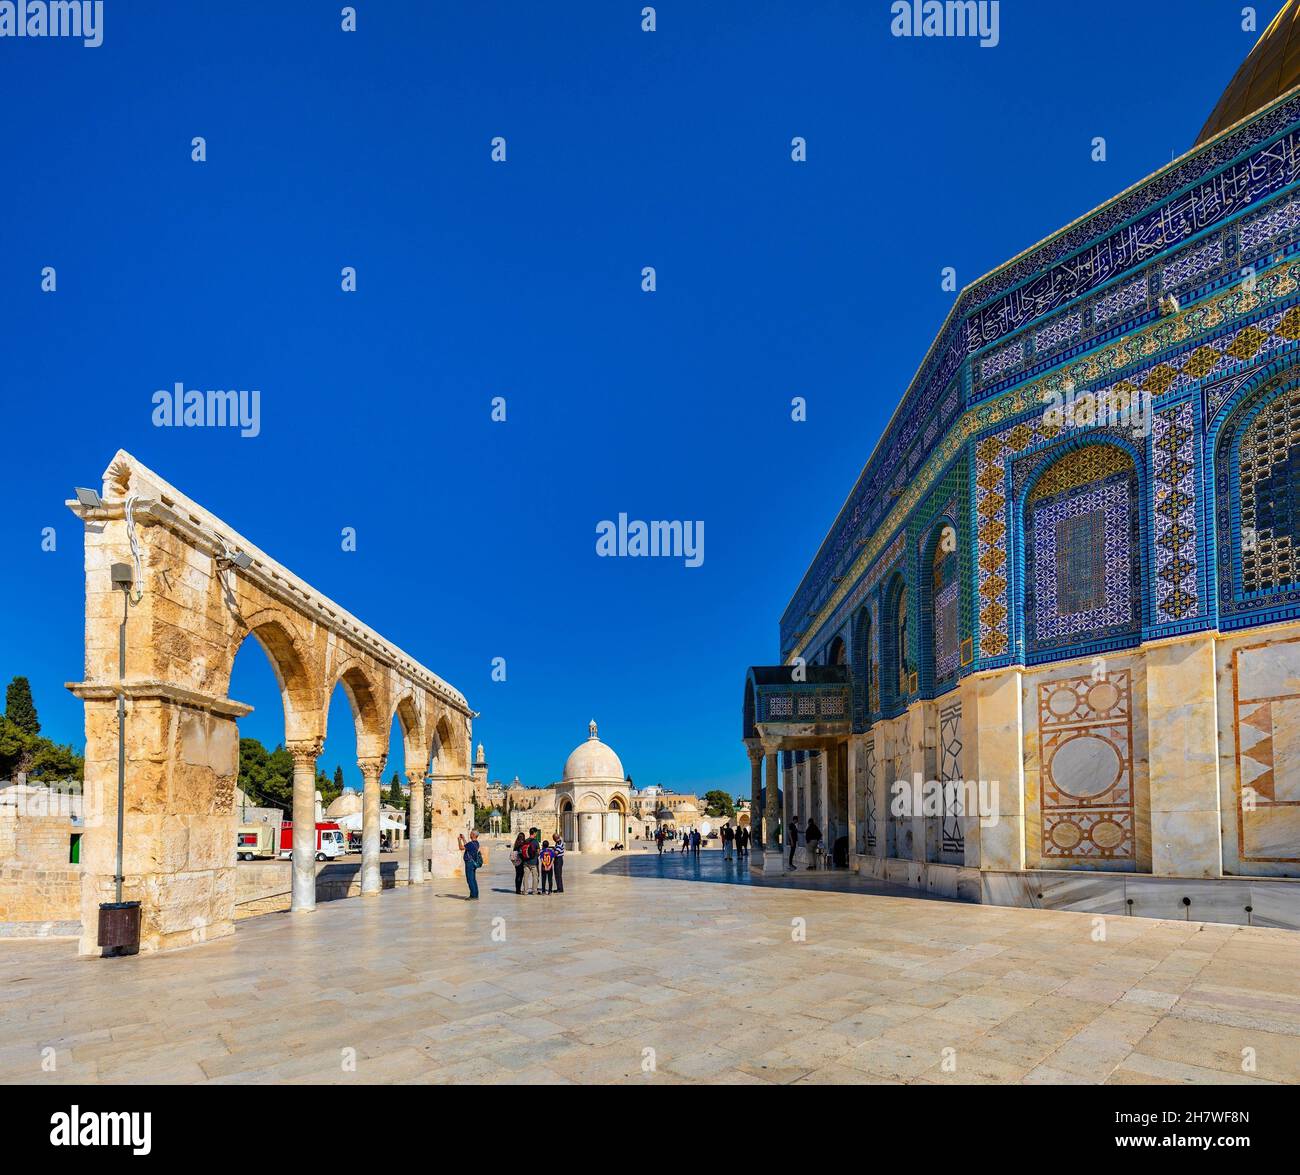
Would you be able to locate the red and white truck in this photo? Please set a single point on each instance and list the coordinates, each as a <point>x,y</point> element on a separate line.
<point>330,841</point>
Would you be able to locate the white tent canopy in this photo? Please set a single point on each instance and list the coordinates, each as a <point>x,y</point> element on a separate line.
<point>352,823</point>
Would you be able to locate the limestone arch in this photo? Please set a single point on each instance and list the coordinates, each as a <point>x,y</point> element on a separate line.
<point>293,665</point>
<point>409,713</point>
<point>365,697</point>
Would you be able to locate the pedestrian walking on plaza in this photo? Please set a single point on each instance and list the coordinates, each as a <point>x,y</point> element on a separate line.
<point>726,841</point>
<point>794,840</point>
<point>473,858</point>
<point>531,851</point>
<point>546,862</point>
<point>695,841</point>
<point>559,863</point>
<point>742,839</point>
<point>517,860</point>
<point>659,839</point>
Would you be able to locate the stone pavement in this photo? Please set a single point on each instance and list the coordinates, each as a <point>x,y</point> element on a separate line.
<point>665,972</point>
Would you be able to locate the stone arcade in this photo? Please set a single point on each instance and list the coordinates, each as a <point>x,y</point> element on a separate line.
<point>1100,621</point>
<point>196,607</point>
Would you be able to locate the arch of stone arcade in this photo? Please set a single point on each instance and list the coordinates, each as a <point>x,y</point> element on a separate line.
<point>195,610</point>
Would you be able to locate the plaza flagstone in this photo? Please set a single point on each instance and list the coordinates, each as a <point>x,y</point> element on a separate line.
<point>664,971</point>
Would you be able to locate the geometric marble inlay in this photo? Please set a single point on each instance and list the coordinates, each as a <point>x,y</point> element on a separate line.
<point>952,844</point>
<point>1266,695</point>
<point>1085,733</point>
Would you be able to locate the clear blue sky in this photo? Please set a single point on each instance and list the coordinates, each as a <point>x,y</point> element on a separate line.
<point>625,149</point>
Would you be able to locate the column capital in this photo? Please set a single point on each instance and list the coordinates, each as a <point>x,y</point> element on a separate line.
<point>305,751</point>
<point>372,766</point>
<point>417,778</point>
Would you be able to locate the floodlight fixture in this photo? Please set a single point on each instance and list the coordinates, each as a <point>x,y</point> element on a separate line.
<point>241,560</point>
<point>89,498</point>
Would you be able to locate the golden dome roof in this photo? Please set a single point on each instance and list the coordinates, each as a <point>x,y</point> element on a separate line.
<point>1271,68</point>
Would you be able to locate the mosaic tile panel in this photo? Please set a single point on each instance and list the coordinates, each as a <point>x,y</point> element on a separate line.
<point>1193,266</point>
<point>1085,738</point>
<point>1121,301</point>
<point>1268,463</point>
<point>1279,220</point>
<point>1080,563</point>
<point>994,366</point>
<point>1173,446</point>
<point>1233,190</point>
<point>872,526</point>
<point>1065,329</point>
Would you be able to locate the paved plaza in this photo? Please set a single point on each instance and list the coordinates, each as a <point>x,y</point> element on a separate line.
<point>665,970</point>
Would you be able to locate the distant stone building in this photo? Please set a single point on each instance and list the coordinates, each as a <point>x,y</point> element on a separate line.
<point>590,805</point>
<point>40,868</point>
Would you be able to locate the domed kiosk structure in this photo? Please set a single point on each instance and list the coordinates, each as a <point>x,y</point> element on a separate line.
<point>592,797</point>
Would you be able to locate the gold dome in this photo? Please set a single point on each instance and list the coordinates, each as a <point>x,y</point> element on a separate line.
<point>1271,68</point>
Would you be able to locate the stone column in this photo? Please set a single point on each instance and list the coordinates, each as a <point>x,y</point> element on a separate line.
<point>305,752</point>
<point>415,829</point>
<point>755,804</point>
<point>787,807</point>
<point>372,768</point>
<point>771,812</point>
<point>921,746</point>
<point>827,762</point>
<point>853,798</point>
<point>1182,750</point>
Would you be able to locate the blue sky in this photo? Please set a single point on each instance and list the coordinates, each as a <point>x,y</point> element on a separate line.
<point>625,149</point>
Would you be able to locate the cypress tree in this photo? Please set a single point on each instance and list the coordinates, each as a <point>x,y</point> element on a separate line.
<point>19,707</point>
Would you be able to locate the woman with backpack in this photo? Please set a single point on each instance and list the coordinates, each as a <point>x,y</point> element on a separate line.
<point>517,860</point>
<point>473,858</point>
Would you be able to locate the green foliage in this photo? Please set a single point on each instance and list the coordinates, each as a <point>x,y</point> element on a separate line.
<point>22,748</point>
<point>330,789</point>
<point>718,803</point>
<point>396,798</point>
<point>482,816</point>
<point>266,777</point>
<point>19,707</point>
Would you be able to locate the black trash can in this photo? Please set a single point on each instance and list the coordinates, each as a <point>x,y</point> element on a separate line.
<point>119,928</point>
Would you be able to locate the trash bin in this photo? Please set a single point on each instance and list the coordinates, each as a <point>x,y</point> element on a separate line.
<point>119,928</point>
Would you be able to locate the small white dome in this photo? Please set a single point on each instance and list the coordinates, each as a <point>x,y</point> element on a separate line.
<point>593,762</point>
<point>347,803</point>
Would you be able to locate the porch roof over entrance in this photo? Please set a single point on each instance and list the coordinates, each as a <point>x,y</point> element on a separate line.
<point>793,706</point>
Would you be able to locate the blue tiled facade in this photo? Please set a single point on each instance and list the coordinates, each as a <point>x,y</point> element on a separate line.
<point>1176,532</point>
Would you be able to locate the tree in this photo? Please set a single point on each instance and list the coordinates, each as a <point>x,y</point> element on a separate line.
<point>330,789</point>
<point>19,707</point>
<point>14,746</point>
<point>395,797</point>
<point>718,803</point>
<point>266,777</point>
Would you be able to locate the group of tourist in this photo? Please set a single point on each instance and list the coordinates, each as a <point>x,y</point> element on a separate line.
<point>539,864</point>
<point>737,838</point>
<point>812,838</point>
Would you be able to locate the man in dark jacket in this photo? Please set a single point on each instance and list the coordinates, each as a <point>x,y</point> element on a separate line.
<point>794,840</point>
